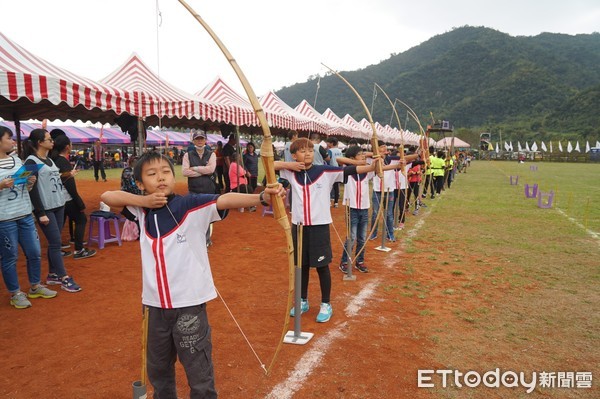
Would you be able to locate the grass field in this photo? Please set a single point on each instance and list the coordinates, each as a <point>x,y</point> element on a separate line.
<point>503,283</point>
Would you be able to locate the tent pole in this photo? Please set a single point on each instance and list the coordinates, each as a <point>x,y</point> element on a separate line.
<point>141,136</point>
<point>18,132</point>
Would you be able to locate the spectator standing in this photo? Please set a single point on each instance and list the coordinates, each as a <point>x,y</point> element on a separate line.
<point>199,165</point>
<point>220,165</point>
<point>17,228</point>
<point>228,150</point>
<point>74,205</point>
<point>251,160</point>
<point>98,157</point>
<point>49,205</point>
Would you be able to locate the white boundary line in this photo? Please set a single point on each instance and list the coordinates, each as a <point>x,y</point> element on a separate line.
<point>311,359</point>
<point>593,234</point>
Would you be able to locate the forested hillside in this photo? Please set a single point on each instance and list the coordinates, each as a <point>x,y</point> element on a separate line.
<point>541,87</point>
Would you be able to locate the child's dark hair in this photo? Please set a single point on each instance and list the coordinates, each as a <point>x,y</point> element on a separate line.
<point>32,143</point>
<point>146,158</point>
<point>353,151</point>
<point>301,143</point>
<point>5,131</point>
<point>60,143</point>
<point>333,141</point>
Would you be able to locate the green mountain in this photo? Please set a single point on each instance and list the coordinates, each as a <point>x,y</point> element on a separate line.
<point>479,79</point>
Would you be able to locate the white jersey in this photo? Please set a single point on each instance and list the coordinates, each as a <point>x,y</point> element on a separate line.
<point>310,193</point>
<point>401,182</point>
<point>356,191</point>
<point>389,179</point>
<point>175,268</point>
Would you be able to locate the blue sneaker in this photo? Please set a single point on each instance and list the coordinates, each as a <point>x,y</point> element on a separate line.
<point>69,285</point>
<point>53,279</point>
<point>303,307</point>
<point>325,313</point>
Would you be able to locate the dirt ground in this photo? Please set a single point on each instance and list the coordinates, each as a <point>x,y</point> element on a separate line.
<point>87,345</point>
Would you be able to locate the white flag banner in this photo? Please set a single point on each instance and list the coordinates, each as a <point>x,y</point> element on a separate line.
<point>527,147</point>
<point>550,147</point>
<point>597,144</point>
<point>560,147</point>
<point>534,146</point>
<point>544,147</point>
<point>569,147</point>
<point>506,146</point>
<point>519,146</point>
<point>577,147</point>
<point>497,150</point>
<point>587,147</point>
<point>511,146</point>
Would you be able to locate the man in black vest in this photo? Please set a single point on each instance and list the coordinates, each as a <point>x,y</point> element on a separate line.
<point>198,165</point>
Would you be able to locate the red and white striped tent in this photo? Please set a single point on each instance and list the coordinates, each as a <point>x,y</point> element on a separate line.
<point>287,117</point>
<point>33,88</point>
<point>382,133</point>
<point>349,131</point>
<point>332,128</point>
<point>365,134</point>
<point>156,98</point>
<point>238,110</point>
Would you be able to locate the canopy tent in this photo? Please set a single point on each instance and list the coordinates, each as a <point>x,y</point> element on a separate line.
<point>446,142</point>
<point>77,134</point>
<point>364,133</point>
<point>239,110</point>
<point>349,130</point>
<point>294,120</point>
<point>156,98</point>
<point>32,88</point>
<point>331,128</point>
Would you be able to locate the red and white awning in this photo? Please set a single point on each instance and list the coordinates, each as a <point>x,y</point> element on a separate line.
<point>330,127</point>
<point>237,110</point>
<point>349,131</point>
<point>364,133</point>
<point>31,87</point>
<point>286,117</point>
<point>155,97</point>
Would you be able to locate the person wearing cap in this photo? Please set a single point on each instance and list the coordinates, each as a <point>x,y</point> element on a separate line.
<point>199,165</point>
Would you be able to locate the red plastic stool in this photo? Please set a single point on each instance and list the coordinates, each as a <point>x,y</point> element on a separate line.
<point>103,234</point>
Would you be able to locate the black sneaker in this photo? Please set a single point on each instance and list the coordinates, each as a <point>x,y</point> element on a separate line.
<point>66,253</point>
<point>362,268</point>
<point>84,253</point>
<point>344,267</point>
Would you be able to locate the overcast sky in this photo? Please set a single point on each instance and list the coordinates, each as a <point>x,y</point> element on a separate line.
<point>276,42</point>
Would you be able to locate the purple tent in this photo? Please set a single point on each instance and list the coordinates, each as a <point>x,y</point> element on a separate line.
<point>77,134</point>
